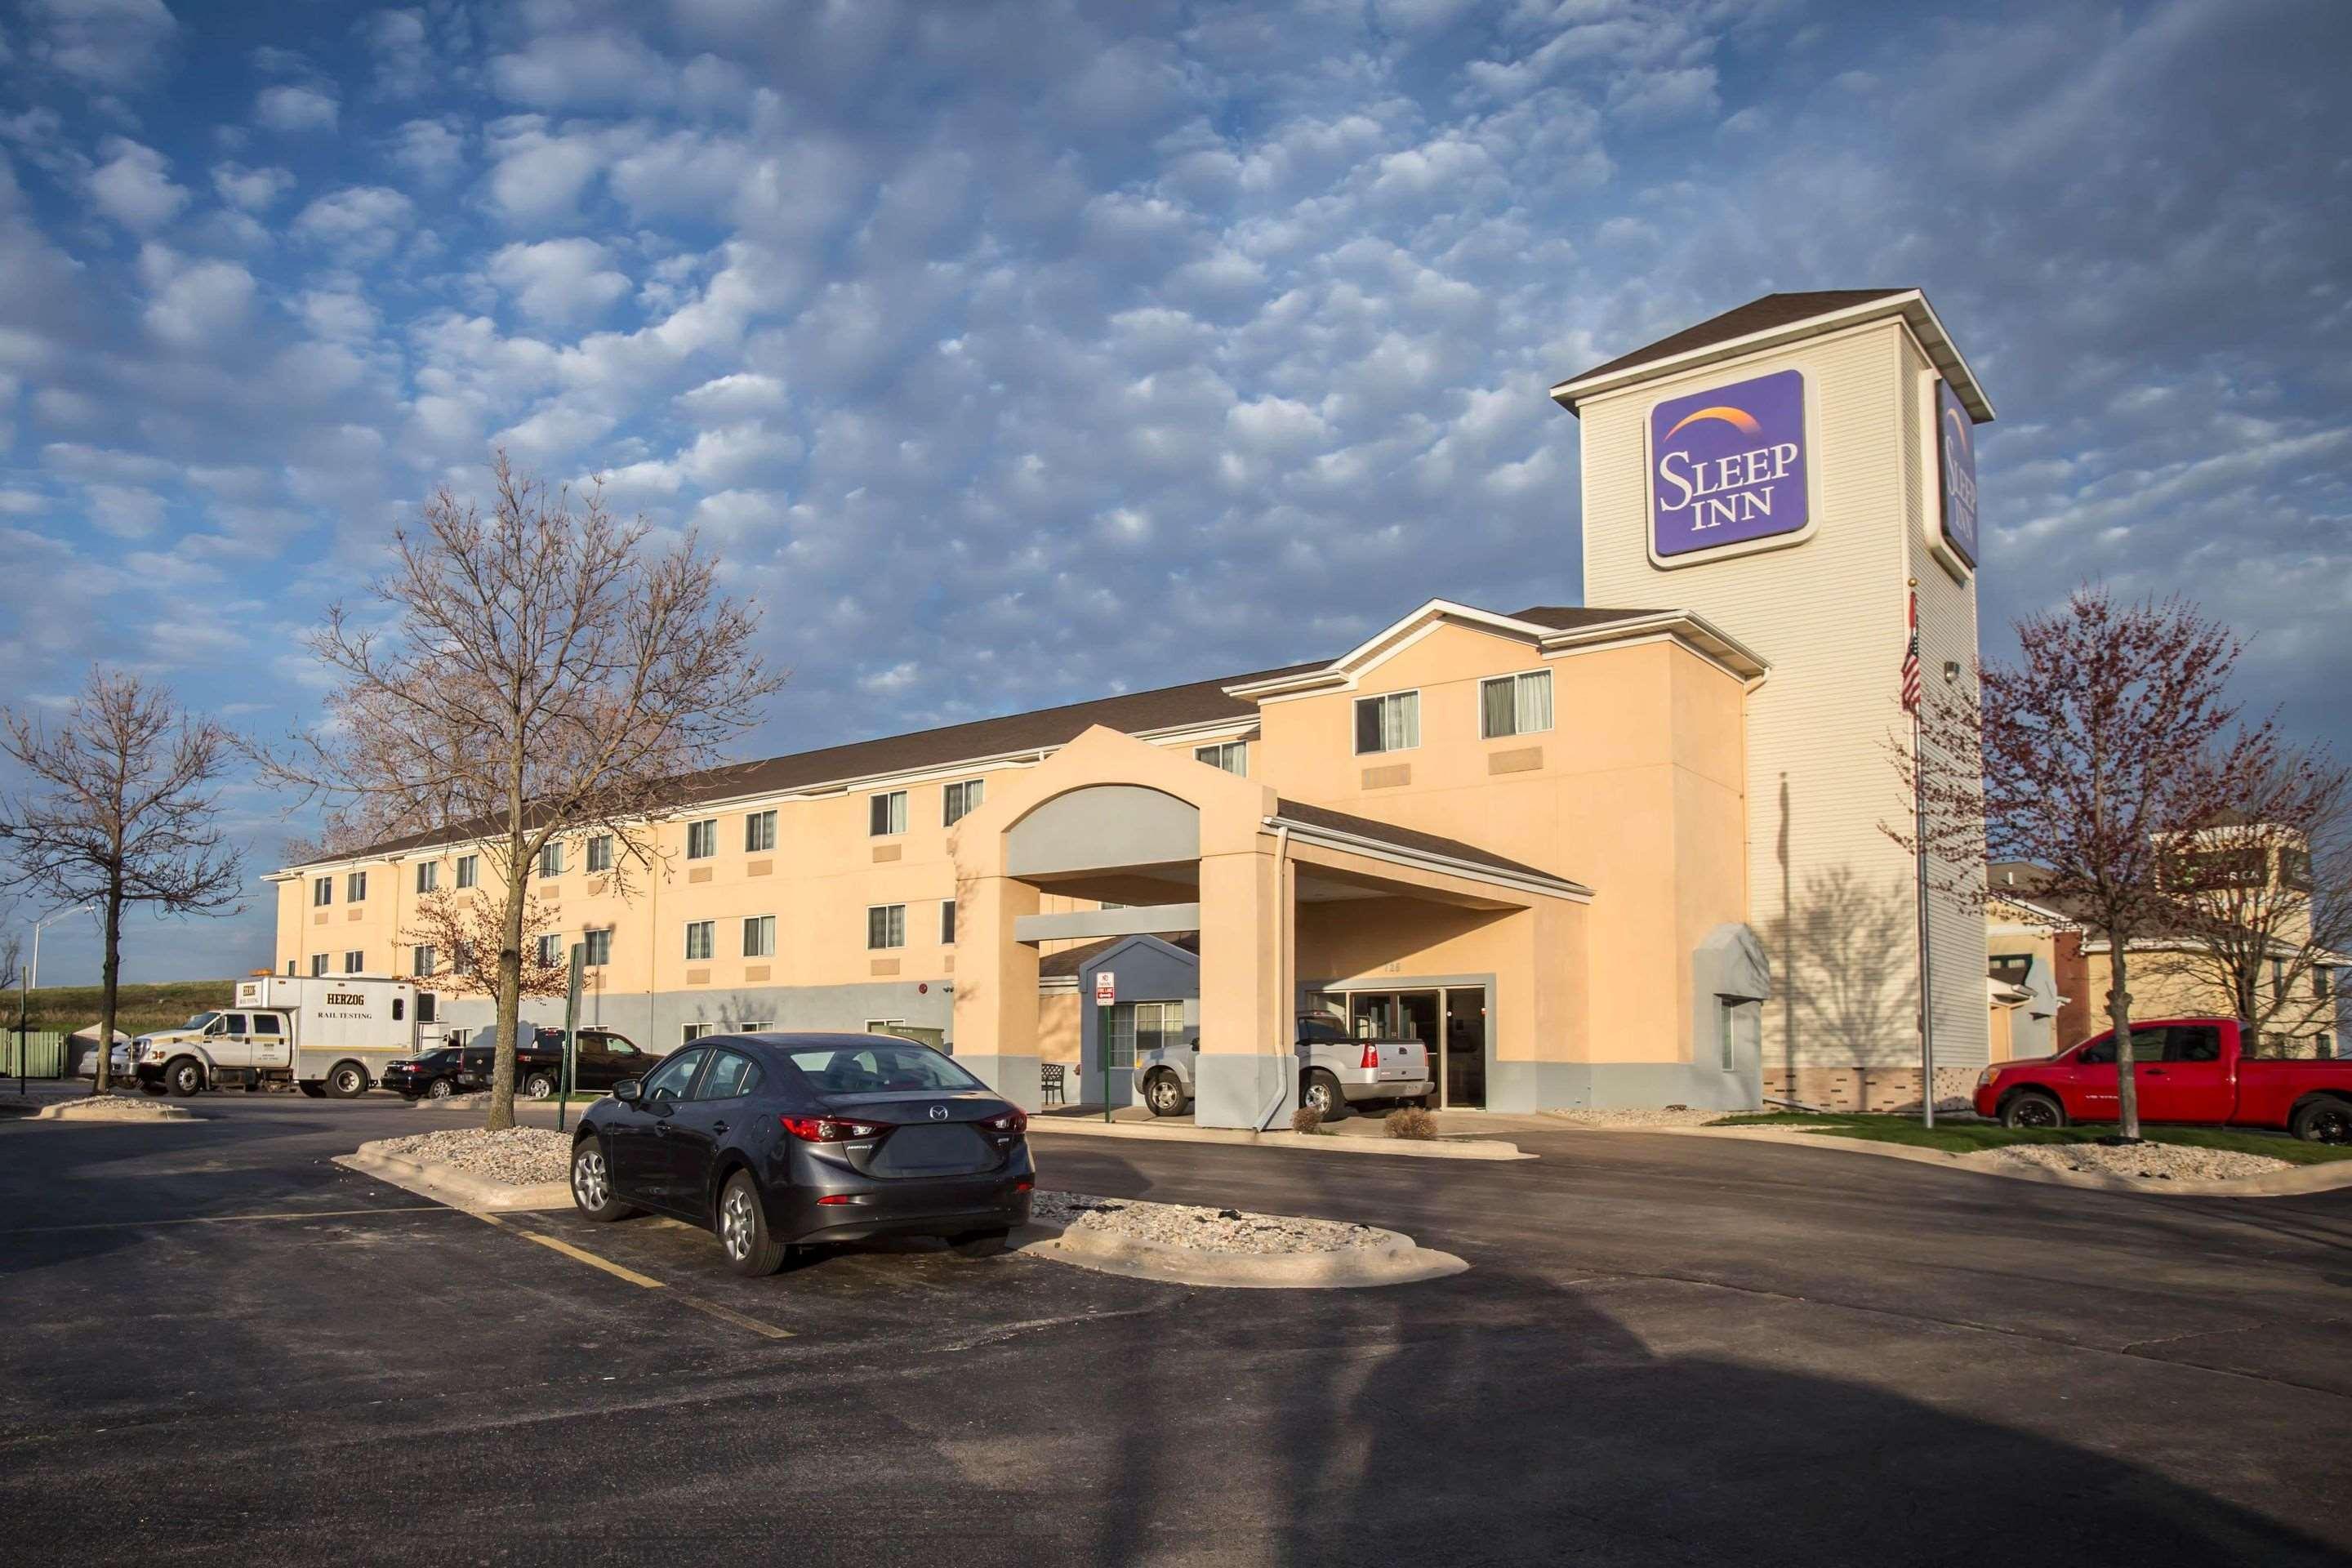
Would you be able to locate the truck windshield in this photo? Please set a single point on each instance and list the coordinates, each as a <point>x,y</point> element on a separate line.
<point>200,1021</point>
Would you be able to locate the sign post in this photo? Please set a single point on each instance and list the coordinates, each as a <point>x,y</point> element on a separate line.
<point>571,1034</point>
<point>1105,998</point>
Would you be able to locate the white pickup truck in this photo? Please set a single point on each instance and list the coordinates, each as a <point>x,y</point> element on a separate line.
<point>1336,1070</point>
<point>326,1035</point>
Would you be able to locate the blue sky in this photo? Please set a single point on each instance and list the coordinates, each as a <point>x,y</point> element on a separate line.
<point>1010,355</point>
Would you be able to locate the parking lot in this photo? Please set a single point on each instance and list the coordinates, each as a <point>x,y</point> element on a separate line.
<point>1666,1351</point>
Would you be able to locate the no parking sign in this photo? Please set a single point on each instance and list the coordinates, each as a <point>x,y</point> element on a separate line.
<point>1106,988</point>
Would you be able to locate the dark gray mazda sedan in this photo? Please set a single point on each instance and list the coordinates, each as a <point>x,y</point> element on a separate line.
<point>775,1142</point>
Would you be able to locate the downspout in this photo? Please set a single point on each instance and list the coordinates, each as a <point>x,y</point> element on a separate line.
<point>1281,945</point>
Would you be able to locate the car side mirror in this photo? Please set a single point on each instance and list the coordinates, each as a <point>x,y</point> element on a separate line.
<point>1196,1047</point>
<point>627,1091</point>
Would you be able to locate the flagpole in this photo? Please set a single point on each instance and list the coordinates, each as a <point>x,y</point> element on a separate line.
<point>1919,840</point>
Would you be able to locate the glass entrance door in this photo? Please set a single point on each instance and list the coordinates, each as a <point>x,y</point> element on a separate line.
<point>1463,1079</point>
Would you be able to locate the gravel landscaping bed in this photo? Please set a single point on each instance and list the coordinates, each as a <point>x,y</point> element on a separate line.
<point>1671,1116</point>
<point>101,1107</point>
<point>1203,1229</point>
<point>2167,1161</point>
<point>525,1156</point>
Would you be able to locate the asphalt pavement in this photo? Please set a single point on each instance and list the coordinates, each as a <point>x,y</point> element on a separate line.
<point>217,1345</point>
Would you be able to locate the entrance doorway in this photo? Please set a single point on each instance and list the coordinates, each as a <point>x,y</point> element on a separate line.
<point>1450,1025</point>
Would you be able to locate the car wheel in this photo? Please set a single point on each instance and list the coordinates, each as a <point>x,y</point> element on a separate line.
<point>441,1089</point>
<point>979,1243</point>
<point>1321,1093</point>
<point>743,1229</point>
<point>1164,1093</point>
<point>349,1080</point>
<point>184,1077</point>
<point>592,1184</point>
<point>2325,1121</point>
<point>2033,1111</point>
<point>539,1086</point>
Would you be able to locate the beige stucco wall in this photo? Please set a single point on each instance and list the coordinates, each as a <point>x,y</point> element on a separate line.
<point>1828,614</point>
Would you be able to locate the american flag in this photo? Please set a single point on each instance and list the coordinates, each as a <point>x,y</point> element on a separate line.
<point>1911,660</point>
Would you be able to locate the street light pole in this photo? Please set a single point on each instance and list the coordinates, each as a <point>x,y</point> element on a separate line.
<point>30,980</point>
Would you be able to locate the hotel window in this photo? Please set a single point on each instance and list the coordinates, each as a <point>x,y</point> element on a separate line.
<point>469,870</point>
<point>355,888</point>
<point>1231,756</point>
<point>461,957</point>
<point>1147,1027</point>
<point>551,857</point>
<point>886,925</point>
<point>947,923</point>
<point>421,960</point>
<point>353,962</point>
<point>1515,705</point>
<point>600,852</point>
<point>598,944</point>
<point>760,936</point>
<point>886,814</point>
<point>289,968</point>
<point>1726,1036</point>
<point>960,800</point>
<point>2320,983</point>
<point>1390,723</point>
<point>698,936</point>
<point>318,965</point>
<point>551,949</point>
<point>428,876</point>
<point>322,891</point>
<point>759,832</point>
<point>748,1026</point>
<point>702,838</point>
<point>693,1032</point>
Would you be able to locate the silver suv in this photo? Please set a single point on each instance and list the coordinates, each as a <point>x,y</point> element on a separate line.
<point>1336,1070</point>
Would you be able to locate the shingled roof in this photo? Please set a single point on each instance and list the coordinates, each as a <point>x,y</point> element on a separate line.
<point>1756,316</point>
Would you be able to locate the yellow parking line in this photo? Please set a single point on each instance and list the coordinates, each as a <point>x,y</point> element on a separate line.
<point>645,1281</point>
<point>730,1315</point>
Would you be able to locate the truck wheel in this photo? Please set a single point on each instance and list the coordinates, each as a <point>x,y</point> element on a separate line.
<point>313,1090</point>
<point>442,1089</point>
<point>349,1080</point>
<point>2325,1121</point>
<point>539,1086</point>
<point>184,1077</point>
<point>2033,1111</point>
<point>1321,1091</point>
<point>1164,1093</point>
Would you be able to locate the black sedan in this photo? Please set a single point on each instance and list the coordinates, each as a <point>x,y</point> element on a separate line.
<point>436,1074</point>
<point>775,1142</point>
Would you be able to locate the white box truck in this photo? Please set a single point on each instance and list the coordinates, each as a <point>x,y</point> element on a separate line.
<point>330,1034</point>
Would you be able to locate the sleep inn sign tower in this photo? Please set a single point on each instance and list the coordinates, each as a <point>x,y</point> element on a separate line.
<point>1787,471</point>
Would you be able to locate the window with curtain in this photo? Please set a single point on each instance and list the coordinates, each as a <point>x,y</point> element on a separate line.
<point>759,832</point>
<point>353,962</point>
<point>885,926</point>
<point>1230,756</point>
<point>702,840</point>
<point>600,852</point>
<point>551,857</point>
<point>469,870</point>
<point>428,876</point>
<point>421,960</point>
<point>887,814</point>
<point>598,946</point>
<point>760,936</point>
<point>355,888</point>
<point>551,949</point>
<point>960,800</point>
<point>322,891</point>
<point>1515,704</point>
<point>1131,1027</point>
<point>1388,723</point>
<point>947,923</point>
<point>697,938</point>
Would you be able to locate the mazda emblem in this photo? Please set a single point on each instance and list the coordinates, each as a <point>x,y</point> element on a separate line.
<point>939,1114</point>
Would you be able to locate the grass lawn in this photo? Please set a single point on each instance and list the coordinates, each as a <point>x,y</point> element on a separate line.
<point>1967,1137</point>
<point>138,1009</point>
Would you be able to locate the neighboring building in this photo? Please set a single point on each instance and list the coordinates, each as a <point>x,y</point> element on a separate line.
<point>1576,850</point>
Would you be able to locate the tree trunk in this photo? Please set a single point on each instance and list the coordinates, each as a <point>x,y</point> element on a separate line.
<point>503,1074</point>
<point>2120,1019</point>
<point>110,978</point>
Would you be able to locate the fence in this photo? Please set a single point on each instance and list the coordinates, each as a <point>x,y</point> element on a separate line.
<point>44,1054</point>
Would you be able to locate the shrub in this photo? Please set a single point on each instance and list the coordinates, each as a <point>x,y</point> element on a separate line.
<point>1411,1121</point>
<point>1307,1118</point>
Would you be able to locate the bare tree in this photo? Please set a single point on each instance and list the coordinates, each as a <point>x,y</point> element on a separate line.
<point>541,669</point>
<point>2107,744</point>
<point>465,935</point>
<point>120,808</point>
<point>2264,896</point>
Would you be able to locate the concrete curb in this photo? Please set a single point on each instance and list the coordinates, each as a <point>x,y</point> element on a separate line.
<point>1394,1259</point>
<point>1328,1144</point>
<point>63,1110</point>
<point>446,1183</point>
<point>2296,1179</point>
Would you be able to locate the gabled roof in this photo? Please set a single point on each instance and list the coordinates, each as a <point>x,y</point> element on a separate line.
<point>1774,320</point>
<point>1341,825</point>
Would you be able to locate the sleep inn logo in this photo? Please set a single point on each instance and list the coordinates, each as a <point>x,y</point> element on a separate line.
<point>1727,465</point>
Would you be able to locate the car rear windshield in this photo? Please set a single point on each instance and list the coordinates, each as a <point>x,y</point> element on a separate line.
<point>872,1070</point>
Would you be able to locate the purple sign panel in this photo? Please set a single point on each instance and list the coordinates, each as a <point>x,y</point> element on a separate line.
<point>1727,465</point>
<point>1955,451</point>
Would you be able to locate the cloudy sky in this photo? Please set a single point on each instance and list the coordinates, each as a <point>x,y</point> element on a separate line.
<point>1013,353</point>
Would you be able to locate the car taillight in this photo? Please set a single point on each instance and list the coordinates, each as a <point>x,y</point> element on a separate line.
<point>830,1128</point>
<point>1012,1121</point>
<point>1371,1056</point>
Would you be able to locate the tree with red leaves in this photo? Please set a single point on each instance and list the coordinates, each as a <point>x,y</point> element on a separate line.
<point>2107,745</point>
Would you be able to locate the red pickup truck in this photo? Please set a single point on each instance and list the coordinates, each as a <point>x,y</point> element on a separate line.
<point>2187,1069</point>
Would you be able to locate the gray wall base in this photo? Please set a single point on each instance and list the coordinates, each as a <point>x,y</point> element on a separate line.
<point>1232,1090</point>
<point>1527,1087</point>
<point>1014,1077</point>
